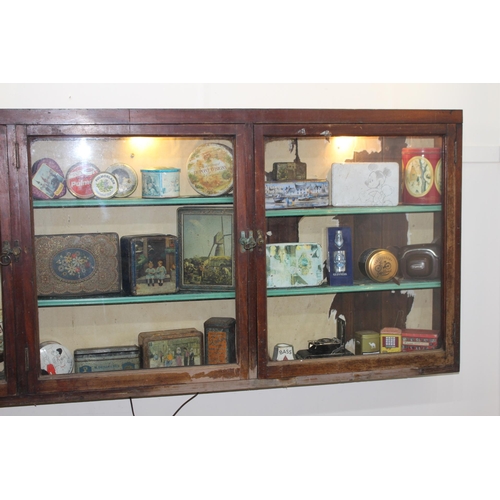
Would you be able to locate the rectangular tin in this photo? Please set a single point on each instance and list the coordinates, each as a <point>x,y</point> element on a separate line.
<point>297,194</point>
<point>339,256</point>
<point>289,171</point>
<point>294,265</point>
<point>366,342</point>
<point>77,264</point>
<point>106,359</point>
<point>220,341</point>
<point>364,184</point>
<point>414,339</point>
<point>390,340</point>
<point>149,264</point>
<point>172,348</point>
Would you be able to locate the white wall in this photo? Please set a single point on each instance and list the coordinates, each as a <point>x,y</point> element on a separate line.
<point>473,391</point>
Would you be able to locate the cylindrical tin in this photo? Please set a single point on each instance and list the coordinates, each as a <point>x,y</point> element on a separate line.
<point>160,182</point>
<point>55,359</point>
<point>378,264</point>
<point>366,342</point>
<point>422,171</point>
<point>104,185</point>
<point>79,179</point>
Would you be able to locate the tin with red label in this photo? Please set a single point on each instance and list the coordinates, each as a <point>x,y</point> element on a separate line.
<point>422,172</point>
<point>417,339</point>
<point>79,179</point>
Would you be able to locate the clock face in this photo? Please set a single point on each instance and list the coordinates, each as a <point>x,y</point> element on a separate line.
<point>419,176</point>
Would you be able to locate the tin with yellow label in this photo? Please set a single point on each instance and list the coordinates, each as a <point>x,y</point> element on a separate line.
<point>390,340</point>
<point>378,264</point>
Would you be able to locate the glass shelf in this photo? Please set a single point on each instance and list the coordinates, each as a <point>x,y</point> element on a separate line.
<point>292,212</point>
<point>131,202</point>
<point>360,286</point>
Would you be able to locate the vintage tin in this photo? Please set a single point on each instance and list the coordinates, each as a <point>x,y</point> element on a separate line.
<point>79,179</point>
<point>422,168</point>
<point>106,359</point>
<point>378,264</point>
<point>340,270</point>
<point>77,264</point>
<point>171,348</point>
<point>210,169</point>
<point>367,342</point>
<point>415,339</point>
<point>420,262</point>
<point>289,171</point>
<point>390,340</point>
<point>283,352</point>
<point>126,177</point>
<point>48,180</point>
<point>297,194</point>
<point>160,182</point>
<point>104,185</point>
<point>55,359</point>
<point>149,264</point>
<point>364,184</point>
<point>220,341</point>
<point>294,265</point>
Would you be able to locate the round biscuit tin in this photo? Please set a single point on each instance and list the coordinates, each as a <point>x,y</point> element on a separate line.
<point>104,185</point>
<point>126,177</point>
<point>378,264</point>
<point>79,179</point>
<point>210,169</point>
<point>160,182</point>
<point>422,172</point>
<point>55,359</point>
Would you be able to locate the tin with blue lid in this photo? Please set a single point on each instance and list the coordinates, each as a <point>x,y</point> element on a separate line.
<point>160,182</point>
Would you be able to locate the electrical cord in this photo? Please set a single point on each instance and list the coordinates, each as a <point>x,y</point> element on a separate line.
<point>184,404</point>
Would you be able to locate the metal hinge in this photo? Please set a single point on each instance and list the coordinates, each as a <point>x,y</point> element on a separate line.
<point>26,359</point>
<point>249,242</point>
<point>18,166</point>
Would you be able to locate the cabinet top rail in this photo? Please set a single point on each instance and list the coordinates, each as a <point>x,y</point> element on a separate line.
<point>173,116</point>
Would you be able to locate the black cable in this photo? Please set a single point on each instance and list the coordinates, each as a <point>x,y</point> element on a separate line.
<point>132,406</point>
<point>184,404</point>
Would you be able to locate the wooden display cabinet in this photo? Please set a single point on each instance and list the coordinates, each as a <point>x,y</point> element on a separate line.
<point>264,316</point>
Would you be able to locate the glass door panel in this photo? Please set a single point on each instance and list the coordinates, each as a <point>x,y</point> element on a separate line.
<point>135,259</point>
<point>353,254</point>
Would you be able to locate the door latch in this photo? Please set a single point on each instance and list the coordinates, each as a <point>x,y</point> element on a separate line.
<point>249,242</point>
<point>8,255</point>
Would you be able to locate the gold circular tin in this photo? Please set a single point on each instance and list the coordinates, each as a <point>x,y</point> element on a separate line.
<point>378,264</point>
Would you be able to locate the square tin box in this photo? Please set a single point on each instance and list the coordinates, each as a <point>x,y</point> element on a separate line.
<point>106,359</point>
<point>390,340</point>
<point>297,194</point>
<point>366,342</point>
<point>149,264</point>
<point>77,264</point>
<point>220,340</point>
<point>294,265</point>
<point>172,348</point>
<point>289,171</point>
<point>364,184</point>
<point>416,339</point>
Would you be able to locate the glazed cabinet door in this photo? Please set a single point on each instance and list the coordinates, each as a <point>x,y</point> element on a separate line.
<point>358,276</point>
<point>139,283</point>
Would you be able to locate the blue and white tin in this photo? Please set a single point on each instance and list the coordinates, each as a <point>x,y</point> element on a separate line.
<point>160,183</point>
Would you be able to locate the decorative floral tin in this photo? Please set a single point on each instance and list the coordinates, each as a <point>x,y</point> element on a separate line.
<point>77,264</point>
<point>149,264</point>
<point>160,182</point>
<point>55,359</point>
<point>106,359</point>
<point>79,179</point>
<point>294,265</point>
<point>104,185</point>
<point>422,169</point>
<point>48,180</point>
<point>210,169</point>
<point>126,177</point>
